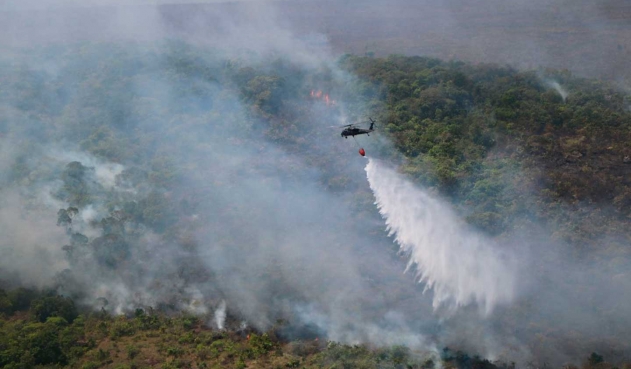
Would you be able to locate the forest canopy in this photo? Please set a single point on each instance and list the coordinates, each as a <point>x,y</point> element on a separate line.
<point>162,176</point>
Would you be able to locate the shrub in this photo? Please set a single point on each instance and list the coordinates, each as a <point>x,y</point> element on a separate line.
<point>122,328</point>
<point>594,359</point>
<point>55,306</point>
<point>186,339</point>
<point>203,352</point>
<point>174,351</point>
<point>132,351</point>
<point>90,365</point>
<point>261,344</point>
<point>5,303</point>
<point>102,355</point>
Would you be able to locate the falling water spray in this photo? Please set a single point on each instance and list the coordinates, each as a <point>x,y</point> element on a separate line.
<point>458,264</point>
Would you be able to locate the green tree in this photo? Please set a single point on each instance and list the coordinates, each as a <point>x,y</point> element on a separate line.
<point>54,306</point>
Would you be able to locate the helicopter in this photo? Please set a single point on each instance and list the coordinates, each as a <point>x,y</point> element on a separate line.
<point>351,130</point>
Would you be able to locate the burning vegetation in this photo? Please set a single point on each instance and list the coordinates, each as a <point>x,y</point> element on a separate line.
<point>324,97</point>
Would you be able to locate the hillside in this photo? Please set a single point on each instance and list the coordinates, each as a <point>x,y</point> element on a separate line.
<point>178,179</point>
<point>513,146</point>
<point>147,340</point>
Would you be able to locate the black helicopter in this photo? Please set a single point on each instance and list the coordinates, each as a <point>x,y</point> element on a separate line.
<point>351,130</point>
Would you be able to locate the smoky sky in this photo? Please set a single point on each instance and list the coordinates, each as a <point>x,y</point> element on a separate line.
<point>265,228</point>
<point>586,37</point>
<point>589,38</point>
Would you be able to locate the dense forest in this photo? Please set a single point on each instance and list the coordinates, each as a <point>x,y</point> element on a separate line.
<point>512,146</point>
<point>153,176</point>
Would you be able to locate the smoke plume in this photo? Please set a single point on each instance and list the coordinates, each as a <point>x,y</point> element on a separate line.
<point>559,89</point>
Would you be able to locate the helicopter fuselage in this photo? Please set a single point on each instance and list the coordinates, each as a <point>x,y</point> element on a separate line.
<point>352,131</point>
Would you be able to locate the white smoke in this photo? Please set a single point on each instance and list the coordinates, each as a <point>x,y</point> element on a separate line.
<point>29,241</point>
<point>105,172</point>
<point>562,92</point>
<point>220,315</point>
<point>459,265</point>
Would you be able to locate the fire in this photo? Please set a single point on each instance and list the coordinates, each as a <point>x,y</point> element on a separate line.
<point>316,94</point>
<point>322,96</point>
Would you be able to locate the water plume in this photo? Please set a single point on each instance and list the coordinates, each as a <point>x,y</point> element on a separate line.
<point>460,266</point>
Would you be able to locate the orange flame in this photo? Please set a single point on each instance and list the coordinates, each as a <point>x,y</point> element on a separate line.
<point>320,95</point>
